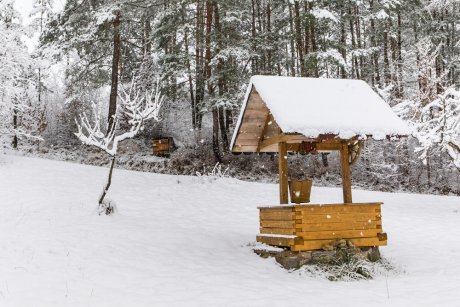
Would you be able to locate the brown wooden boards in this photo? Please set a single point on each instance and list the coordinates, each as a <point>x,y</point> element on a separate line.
<point>276,240</point>
<point>283,172</point>
<point>253,124</point>
<point>313,226</point>
<point>346,174</point>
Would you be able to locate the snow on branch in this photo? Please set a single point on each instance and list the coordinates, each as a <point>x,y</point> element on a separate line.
<point>136,105</point>
<point>440,126</point>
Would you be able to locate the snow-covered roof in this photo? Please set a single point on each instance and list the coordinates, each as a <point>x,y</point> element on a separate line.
<point>314,107</point>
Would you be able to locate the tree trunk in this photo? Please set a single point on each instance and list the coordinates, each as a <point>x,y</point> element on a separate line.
<point>343,41</point>
<point>314,45</point>
<point>400,61</point>
<point>189,72</point>
<point>220,78</point>
<point>15,126</point>
<point>253,34</point>
<point>115,64</point>
<point>269,55</point>
<point>354,62</point>
<point>291,41</point>
<point>375,55</point>
<point>215,114</point>
<point>199,70</point>
<point>109,181</point>
<point>359,41</point>
<point>386,61</point>
<point>298,35</point>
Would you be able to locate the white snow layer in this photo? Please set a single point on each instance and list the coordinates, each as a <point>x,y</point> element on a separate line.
<point>183,241</point>
<point>313,106</point>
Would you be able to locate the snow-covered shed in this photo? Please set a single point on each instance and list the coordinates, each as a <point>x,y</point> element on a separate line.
<point>291,114</point>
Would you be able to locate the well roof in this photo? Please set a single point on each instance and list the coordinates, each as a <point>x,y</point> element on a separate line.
<point>312,107</point>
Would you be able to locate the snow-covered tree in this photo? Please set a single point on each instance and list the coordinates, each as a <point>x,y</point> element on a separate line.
<point>42,10</point>
<point>440,126</point>
<point>15,74</point>
<point>137,106</point>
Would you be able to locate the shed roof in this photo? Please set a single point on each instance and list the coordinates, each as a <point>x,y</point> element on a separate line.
<point>313,107</point>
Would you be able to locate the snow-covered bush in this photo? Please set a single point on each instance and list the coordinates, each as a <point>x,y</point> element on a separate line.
<point>216,172</point>
<point>352,270</point>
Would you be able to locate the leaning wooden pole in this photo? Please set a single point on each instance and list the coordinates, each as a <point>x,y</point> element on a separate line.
<point>283,172</point>
<point>346,174</point>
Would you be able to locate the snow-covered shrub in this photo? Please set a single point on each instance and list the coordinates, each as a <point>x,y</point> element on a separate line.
<point>216,172</point>
<point>353,270</point>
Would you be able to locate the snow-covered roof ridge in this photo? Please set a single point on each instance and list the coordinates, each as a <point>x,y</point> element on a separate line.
<point>315,106</point>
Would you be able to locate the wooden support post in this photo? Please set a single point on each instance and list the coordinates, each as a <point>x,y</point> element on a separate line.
<point>283,172</point>
<point>346,175</point>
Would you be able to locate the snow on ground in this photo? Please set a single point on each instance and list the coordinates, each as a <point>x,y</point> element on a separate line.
<point>183,241</point>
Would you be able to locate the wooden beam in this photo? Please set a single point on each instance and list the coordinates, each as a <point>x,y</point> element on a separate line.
<point>328,146</point>
<point>293,138</point>
<point>264,130</point>
<point>283,172</point>
<point>346,174</point>
<point>320,146</point>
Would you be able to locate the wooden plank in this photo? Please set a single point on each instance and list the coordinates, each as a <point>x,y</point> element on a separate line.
<point>339,226</point>
<point>276,241</point>
<point>279,231</point>
<point>346,174</point>
<point>338,209</point>
<point>250,142</point>
<point>262,112</point>
<point>283,172</point>
<point>305,214</point>
<point>318,244</point>
<point>247,136</point>
<point>362,242</point>
<point>382,236</point>
<point>287,138</point>
<point>244,148</point>
<point>338,234</point>
<point>338,218</point>
<point>309,206</point>
<point>272,128</point>
<point>253,115</point>
<point>337,205</point>
<point>276,208</point>
<point>277,215</point>
<point>269,119</point>
<point>277,224</point>
<point>253,128</point>
<point>328,146</point>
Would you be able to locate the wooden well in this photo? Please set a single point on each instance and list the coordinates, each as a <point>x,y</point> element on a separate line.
<point>312,227</point>
<point>309,227</point>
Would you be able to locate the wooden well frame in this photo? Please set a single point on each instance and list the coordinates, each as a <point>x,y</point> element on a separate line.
<point>304,226</point>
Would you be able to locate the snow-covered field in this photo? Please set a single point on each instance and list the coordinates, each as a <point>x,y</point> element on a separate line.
<point>183,241</point>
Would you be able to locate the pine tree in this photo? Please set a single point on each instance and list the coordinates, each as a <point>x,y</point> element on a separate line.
<point>15,75</point>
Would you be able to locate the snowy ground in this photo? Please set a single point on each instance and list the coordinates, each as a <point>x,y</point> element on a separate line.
<point>183,241</point>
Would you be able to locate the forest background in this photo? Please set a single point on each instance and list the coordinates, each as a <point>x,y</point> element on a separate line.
<point>204,53</point>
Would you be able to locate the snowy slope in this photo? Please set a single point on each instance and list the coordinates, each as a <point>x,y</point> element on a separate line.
<point>182,241</point>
